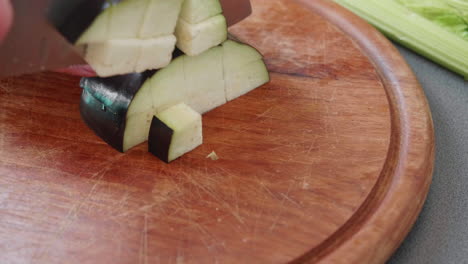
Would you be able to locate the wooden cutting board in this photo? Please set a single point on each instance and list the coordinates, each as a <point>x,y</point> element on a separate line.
<point>330,162</point>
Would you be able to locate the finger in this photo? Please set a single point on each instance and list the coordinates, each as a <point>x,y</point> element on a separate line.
<point>6,17</point>
<point>78,70</point>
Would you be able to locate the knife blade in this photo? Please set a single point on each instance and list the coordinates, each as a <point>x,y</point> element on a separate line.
<point>44,31</point>
<point>236,10</point>
<point>33,44</point>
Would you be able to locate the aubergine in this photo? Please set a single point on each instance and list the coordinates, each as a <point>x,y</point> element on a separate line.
<point>131,36</point>
<point>202,82</point>
<point>130,55</point>
<point>200,29</point>
<point>105,102</point>
<point>244,69</point>
<point>133,19</point>
<point>194,39</point>
<point>137,35</point>
<point>174,132</point>
<point>193,14</point>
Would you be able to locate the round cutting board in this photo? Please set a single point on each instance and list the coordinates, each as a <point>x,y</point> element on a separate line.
<point>330,162</point>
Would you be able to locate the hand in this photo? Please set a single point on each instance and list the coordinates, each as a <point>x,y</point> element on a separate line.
<point>6,19</point>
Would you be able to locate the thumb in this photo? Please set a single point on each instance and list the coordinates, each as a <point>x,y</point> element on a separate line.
<point>6,17</point>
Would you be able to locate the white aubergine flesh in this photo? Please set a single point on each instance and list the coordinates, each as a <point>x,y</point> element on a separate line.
<point>195,11</point>
<point>201,26</point>
<point>117,57</point>
<point>244,69</point>
<point>137,35</point>
<point>204,79</point>
<point>133,19</point>
<point>132,36</point>
<point>160,18</point>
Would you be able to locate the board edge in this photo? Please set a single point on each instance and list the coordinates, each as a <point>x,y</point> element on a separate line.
<point>383,221</point>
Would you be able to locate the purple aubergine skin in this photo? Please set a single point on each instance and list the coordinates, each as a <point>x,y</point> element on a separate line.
<point>72,17</point>
<point>105,102</point>
<point>160,139</point>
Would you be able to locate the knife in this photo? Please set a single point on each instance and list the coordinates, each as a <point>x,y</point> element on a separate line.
<point>43,32</point>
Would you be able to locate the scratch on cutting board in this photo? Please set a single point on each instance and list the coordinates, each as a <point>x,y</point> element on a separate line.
<point>180,257</point>
<point>3,117</point>
<point>143,252</point>
<point>333,95</point>
<point>42,154</point>
<point>166,190</point>
<point>121,203</point>
<point>282,207</point>
<point>259,217</point>
<point>43,252</point>
<point>264,114</point>
<point>269,193</point>
<point>304,179</point>
<point>198,226</point>
<point>234,192</point>
<point>189,216</point>
<point>201,185</point>
<point>289,199</point>
<point>76,209</point>
<point>27,165</point>
<point>312,146</point>
<point>2,135</point>
<point>5,88</point>
<point>325,45</point>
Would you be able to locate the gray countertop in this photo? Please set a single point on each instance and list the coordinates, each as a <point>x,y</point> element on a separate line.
<point>440,235</point>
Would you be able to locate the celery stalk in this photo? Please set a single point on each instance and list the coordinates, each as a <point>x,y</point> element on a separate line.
<point>414,32</point>
<point>448,14</point>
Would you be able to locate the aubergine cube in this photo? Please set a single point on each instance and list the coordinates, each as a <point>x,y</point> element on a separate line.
<point>174,132</point>
<point>194,39</point>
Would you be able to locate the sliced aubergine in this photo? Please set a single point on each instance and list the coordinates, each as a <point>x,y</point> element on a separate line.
<point>196,11</point>
<point>117,57</point>
<point>244,69</point>
<point>202,82</point>
<point>174,132</point>
<point>105,102</point>
<point>137,35</point>
<point>194,39</point>
<point>133,19</point>
<point>160,18</point>
<point>121,20</point>
<point>132,36</point>
<point>201,26</point>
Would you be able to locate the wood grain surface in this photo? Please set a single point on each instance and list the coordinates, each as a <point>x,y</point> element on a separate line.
<point>330,162</point>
